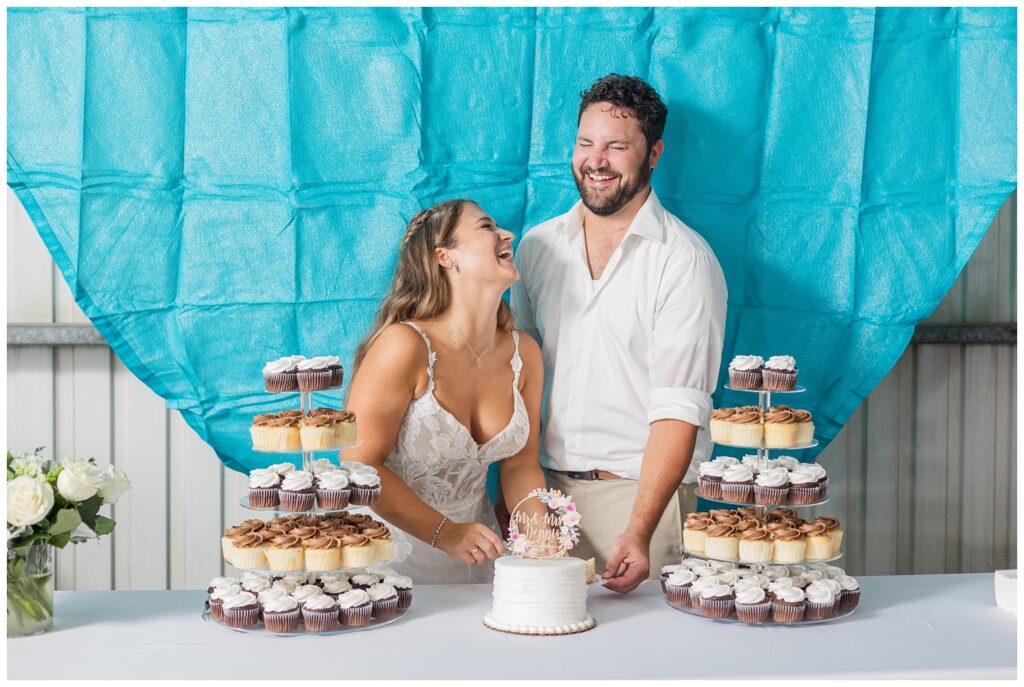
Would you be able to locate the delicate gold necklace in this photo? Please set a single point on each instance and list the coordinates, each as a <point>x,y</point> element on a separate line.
<point>465,338</point>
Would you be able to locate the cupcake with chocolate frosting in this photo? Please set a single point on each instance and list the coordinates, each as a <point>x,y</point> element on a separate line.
<point>694,533</point>
<point>720,425</point>
<point>804,427</point>
<point>316,432</point>
<point>819,544</point>
<point>755,546</point>
<point>722,542</point>
<point>789,545</point>
<point>780,429</point>
<point>746,428</point>
<point>322,553</point>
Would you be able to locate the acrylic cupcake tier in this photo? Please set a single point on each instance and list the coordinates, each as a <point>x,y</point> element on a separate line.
<point>689,610</point>
<point>794,390</point>
<point>334,571</point>
<point>316,510</point>
<point>798,447</point>
<point>706,557</point>
<point>762,505</point>
<point>296,451</point>
<point>260,629</point>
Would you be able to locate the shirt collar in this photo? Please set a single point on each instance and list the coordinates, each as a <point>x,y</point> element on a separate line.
<point>649,221</point>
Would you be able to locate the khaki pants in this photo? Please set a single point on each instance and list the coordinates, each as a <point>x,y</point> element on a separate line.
<point>605,507</point>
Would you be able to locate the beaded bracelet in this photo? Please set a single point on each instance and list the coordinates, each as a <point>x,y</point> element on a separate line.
<point>433,542</point>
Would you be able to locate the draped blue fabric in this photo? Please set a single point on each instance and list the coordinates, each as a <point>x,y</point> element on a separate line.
<point>221,187</point>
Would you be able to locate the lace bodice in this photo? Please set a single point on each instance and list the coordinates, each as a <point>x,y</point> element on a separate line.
<point>437,457</point>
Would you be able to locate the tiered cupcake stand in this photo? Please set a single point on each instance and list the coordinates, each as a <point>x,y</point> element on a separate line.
<point>308,459</point>
<point>764,401</point>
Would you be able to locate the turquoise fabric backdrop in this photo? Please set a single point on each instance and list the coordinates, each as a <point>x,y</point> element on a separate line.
<point>221,187</point>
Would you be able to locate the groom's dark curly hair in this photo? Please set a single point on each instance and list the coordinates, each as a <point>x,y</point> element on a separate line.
<point>631,93</point>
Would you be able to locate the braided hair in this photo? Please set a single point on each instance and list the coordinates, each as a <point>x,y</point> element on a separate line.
<point>421,289</point>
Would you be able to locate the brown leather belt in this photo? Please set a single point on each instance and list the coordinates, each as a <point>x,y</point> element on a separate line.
<point>587,474</point>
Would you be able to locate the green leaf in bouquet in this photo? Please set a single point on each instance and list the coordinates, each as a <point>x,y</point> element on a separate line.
<point>60,540</point>
<point>88,510</point>
<point>104,525</point>
<point>22,547</point>
<point>66,521</point>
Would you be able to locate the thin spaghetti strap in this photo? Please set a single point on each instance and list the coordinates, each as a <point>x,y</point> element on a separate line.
<point>517,362</point>
<point>431,356</point>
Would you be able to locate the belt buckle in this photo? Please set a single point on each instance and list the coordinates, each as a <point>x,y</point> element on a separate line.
<point>594,475</point>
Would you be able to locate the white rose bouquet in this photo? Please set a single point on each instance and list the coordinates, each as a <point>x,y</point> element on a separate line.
<point>50,503</point>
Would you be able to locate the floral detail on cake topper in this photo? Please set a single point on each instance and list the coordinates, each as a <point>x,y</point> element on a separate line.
<point>548,532</point>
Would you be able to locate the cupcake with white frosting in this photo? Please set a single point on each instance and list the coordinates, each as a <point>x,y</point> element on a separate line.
<point>313,374</point>
<point>788,605</point>
<point>336,587</point>
<point>281,374</point>
<point>305,592</point>
<point>332,489</point>
<point>365,488</point>
<point>403,585</point>
<point>752,604</point>
<point>333,363</point>
<point>821,601</point>
<point>717,601</point>
<point>745,372</point>
<point>320,613</point>
<point>738,484</point>
<point>280,612</point>
<point>771,487</point>
<point>850,595</point>
<point>698,585</point>
<point>297,491</point>
<point>384,601</point>
<point>217,596</point>
<point>779,373</point>
<point>241,609</point>
<point>264,488</point>
<point>355,608</point>
<point>677,587</point>
<point>709,479</point>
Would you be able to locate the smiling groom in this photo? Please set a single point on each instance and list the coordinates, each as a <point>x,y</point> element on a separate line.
<point>628,304</point>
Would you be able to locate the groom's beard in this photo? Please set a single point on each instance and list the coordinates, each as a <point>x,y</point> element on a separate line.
<point>615,202</point>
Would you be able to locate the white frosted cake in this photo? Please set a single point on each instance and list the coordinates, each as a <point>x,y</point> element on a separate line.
<point>539,596</point>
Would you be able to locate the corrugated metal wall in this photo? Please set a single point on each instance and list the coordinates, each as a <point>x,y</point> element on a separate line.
<point>923,477</point>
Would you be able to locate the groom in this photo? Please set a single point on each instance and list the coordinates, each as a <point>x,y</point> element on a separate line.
<point>629,306</point>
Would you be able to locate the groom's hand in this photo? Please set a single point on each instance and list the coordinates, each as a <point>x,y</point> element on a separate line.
<point>628,564</point>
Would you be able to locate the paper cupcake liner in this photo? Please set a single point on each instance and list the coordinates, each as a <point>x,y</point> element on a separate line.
<point>333,499</point>
<point>722,548</point>
<point>364,496</point>
<point>775,380</point>
<point>720,431</point>
<point>748,434</point>
<point>754,613</point>
<point>258,436</point>
<point>737,493</point>
<point>249,559</point>
<point>356,556</point>
<point>383,549</point>
<point>285,560</point>
<point>785,552</point>
<point>288,621</point>
<point>745,379</point>
<point>770,496</point>
<point>755,551</point>
<point>779,435</point>
<point>818,548</point>
<point>316,438</point>
<point>320,619</point>
<point>836,536</point>
<point>694,597</point>
<point>717,608</point>
<point>823,486</point>
<point>283,439</point>
<point>804,433</point>
<point>710,488</point>
<point>337,376</point>
<point>848,600</point>
<point>693,540</point>
<point>803,496</point>
<point>314,380</point>
<point>217,609</point>
<point>242,617</point>
<point>345,434</point>
<point>787,613</point>
<point>264,497</point>
<point>227,549</point>
<point>318,560</point>
<point>678,596</point>
<point>385,609</point>
<point>280,381</point>
<point>819,611</point>
<point>404,597</point>
<point>357,616</point>
<point>297,500</point>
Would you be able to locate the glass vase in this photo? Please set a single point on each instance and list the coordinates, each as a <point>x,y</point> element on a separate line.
<point>30,591</point>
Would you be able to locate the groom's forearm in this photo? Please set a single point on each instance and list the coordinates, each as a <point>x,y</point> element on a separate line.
<point>666,458</point>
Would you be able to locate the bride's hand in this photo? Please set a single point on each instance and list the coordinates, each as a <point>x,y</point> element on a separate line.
<point>472,542</point>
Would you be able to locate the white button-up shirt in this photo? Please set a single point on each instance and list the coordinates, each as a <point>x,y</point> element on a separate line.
<point>640,344</point>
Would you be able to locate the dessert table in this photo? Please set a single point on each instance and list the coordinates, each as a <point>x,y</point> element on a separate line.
<point>911,626</point>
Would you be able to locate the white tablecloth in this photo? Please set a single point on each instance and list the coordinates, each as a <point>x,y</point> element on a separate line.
<point>921,626</point>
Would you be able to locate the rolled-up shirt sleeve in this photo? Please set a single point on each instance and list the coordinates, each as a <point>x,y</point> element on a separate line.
<point>689,332</point>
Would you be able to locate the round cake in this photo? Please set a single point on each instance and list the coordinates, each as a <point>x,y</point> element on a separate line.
<point>539,596</point>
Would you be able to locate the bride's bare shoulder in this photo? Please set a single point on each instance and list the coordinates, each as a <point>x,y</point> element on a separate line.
<point>398,346</point>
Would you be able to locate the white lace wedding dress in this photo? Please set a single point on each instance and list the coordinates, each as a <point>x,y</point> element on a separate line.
<point>438,458</point>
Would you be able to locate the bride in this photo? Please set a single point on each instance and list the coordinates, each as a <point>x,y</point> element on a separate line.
<point>444,386</point>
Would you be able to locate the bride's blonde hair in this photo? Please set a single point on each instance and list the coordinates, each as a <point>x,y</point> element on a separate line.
<point>420,289</point>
